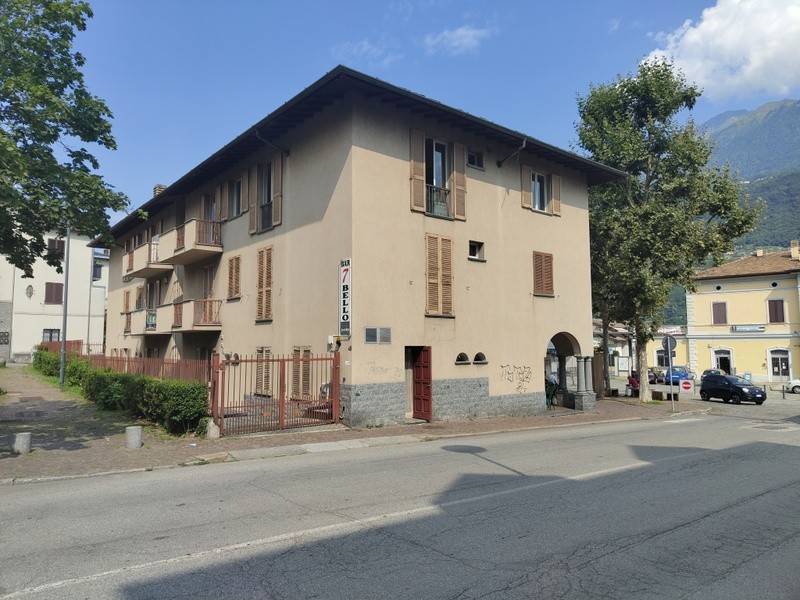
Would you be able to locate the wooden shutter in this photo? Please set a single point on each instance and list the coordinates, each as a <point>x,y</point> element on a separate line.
<point>306,373</point>
<point>526,173</point>
<point>126,301</point>
<point>295,372</point>
<point>719,313</point>
<point>263,370</point>
<point>264,295</point>
<point>277,189</point>
<point>53,293</point>
<point>253,199</point>
<point>234,279</point>
<point>460,182</point>
<point>446,275</point>
<point>555,194</point>
<point>139,297</point>
<point>432,274</point>
<point>417,166</point>
<point>244,194</point>
<point>222,200</point>
<point>776,314</point>
<point>543,274</point>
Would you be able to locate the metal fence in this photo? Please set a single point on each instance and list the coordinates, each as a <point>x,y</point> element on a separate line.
<point>185,369</point>
<point>73,347</point>
<point>266,393</point>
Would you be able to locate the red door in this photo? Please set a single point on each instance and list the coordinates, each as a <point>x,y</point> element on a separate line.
<point>423,408</point>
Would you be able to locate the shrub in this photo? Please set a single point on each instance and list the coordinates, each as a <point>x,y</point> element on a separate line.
<point>151,405</point>
<point>76,371</point>
<point>183,404</point>
<point>114,391</point>
<point>47,363</point>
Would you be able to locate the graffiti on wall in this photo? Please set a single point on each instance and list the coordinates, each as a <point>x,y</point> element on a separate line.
<point>519,375</point>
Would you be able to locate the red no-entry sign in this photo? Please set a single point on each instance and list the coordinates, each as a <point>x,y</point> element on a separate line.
<point>686,385</point>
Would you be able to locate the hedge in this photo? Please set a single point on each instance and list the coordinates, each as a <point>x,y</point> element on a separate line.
<point>179,406</point>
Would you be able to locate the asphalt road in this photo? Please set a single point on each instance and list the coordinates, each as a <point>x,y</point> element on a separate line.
<point>698,508</point>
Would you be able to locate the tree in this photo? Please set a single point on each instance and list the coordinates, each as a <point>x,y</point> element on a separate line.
<point>673,213</point>
<point>47,119</point>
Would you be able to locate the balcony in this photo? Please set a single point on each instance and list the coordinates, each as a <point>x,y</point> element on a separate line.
<point>144,261</point>
<point>191,242</point>
<point>197,315</point>
<point>437,202</point>
<point>150,321</point>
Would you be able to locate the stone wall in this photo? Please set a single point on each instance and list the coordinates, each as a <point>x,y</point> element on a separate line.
<point>373,404</point>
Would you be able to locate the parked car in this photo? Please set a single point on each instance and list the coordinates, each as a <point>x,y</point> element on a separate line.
<point>793,386</point>
<point>708,372</point>
<point>651,376</point>
<point>676,374</point>
<point>730,388</point>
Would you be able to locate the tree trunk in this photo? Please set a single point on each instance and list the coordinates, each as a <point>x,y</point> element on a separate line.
<point>606,376</point>
<point>641,363</point>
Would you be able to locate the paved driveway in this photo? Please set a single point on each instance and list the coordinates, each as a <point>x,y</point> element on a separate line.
<point>775,408</point>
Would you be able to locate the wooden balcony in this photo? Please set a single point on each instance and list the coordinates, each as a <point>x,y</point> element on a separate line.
<point>144,261</point>
<point>191,242</point>
<point>197,315</point>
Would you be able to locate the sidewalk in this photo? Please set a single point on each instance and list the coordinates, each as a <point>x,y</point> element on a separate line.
<point>71,437</point>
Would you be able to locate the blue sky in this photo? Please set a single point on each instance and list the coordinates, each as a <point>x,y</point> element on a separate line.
<point>183,78</point>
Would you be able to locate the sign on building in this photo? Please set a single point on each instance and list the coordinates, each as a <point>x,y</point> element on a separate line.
<point>345,297</point>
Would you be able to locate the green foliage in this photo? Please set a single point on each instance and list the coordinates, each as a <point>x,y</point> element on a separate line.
<point>76,371</point>
<point>675,310</point>
<point>673,213</point>
<point>780,222</point>
<point>47,363</point>
<point>184,404</point>
<point>115,391</point>
<point>44,104</point>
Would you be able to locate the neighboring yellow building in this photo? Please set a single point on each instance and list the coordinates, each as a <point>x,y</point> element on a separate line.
<point>657,357</point>
<point>744,318</point>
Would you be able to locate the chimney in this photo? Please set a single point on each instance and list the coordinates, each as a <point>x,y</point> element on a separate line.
<point>759,252</point>
<point>794,249</point>
<point>158,188</point>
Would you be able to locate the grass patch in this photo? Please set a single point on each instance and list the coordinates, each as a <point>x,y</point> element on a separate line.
<point>72,390</point>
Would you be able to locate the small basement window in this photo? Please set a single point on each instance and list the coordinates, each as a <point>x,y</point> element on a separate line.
<point>475,159</point>
<point>462,358</point>
<point>480,359</point>
<point>476,250</point>
<point>377,335</point>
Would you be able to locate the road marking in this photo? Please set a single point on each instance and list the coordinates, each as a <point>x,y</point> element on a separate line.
<point>687,420</point>
<point>334,527</point>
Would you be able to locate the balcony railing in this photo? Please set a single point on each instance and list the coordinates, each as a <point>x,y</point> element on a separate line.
<point>150,320</point>
<point>129,267</point>
<point>180,236</point>
<point>209,233</point>
<point>438,201</point>
<point>177,315</point>
<point>206,312</point>
<point>127,322</point>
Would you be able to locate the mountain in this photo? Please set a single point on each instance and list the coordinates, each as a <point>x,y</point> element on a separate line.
<point>759,142</point>
<point>780,222</point>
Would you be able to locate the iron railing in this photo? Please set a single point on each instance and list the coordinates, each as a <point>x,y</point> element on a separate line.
<point>180,236</point>
<point>209,233</point>
<point>163,368</point>
<point>177,314</point>
<point>150,320</point>
<point>206,312</point>
<point>438,201</point>
<point>265,393</point>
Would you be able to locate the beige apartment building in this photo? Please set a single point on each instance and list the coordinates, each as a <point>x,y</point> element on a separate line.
<point>446,258</point>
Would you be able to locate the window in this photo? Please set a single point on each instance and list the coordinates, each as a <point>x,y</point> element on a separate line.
<point>377,335</point>
<point>439,276</point>
<point>138,239</point>
<point>97,270</point>
<point>301,372</point>
<point>263,371</point>
<point>234,198</point>
<point>480,359</point>
<point>55,247</point>
<point>264,285</point>
<point>719,313</point>
<point>51,335</point>
<point>475,159</point>
<point>476,250</point>
<point>661,358</point>
<point>776,311</point>
<point>539,191</point>
<point>53,293</point>
<point>543,274</point>
<point>139,298</point>
<point>462,358</point>
<point>234,278</point>
<point>264,197</point>
<point>436,175</point>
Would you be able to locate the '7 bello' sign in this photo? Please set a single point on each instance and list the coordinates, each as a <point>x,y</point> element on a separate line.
<point>345,297</point>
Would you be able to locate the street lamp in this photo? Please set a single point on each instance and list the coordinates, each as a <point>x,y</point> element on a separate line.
<point>63,353</point>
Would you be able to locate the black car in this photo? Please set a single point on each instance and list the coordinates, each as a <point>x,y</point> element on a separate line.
<point>730,388</point>
<point>708,372</point>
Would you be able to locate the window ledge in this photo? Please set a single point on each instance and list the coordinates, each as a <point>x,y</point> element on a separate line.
<point>481,362</point>
<point>543,295</point>
<point>476,259</point>
<point>438,316</point>
<point>432,216</point>
<point>260,321</point>
<point>463,362</point>
<point>233,299</point>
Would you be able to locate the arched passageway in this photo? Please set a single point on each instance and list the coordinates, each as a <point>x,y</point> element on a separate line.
<point>568,375</point>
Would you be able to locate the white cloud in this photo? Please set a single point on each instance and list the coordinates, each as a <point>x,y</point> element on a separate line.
<point>613,24</point>
<point>375,54</point>
<point>738,47</point>
<point>456,41</point>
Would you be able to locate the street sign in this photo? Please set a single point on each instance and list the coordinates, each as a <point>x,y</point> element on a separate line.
<point>686,387</point>
<point>668,343</point>
<point>345,297</point>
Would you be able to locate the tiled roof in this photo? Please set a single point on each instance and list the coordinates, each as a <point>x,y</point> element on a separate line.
<point>770,263</point>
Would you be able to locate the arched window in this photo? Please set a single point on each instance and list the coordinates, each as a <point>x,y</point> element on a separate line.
<point>462,358</point>
<point>480,359</point>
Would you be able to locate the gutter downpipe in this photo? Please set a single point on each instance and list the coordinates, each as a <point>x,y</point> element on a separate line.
<point>514,153</point>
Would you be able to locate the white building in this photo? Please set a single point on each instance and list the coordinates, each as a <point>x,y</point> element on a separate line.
<point>31,309</point>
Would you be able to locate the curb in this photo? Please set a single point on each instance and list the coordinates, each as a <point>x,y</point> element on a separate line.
<point>300,449</point>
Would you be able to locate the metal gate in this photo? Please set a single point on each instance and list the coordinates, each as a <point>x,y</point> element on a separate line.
<point>267,393</point>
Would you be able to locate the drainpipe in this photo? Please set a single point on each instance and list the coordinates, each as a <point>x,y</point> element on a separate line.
<point>514,153</point>
<point>63,356</point>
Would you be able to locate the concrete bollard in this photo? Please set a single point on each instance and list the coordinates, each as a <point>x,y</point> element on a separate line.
<point>22,443</point>
<point>212,431</point>
<point>133,437</point>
